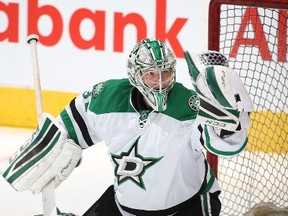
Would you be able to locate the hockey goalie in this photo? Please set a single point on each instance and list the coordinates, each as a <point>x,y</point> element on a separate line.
<point>156,131</point>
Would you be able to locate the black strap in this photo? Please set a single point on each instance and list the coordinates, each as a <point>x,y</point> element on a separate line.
<point>105,205</point>
<point>186,204</point>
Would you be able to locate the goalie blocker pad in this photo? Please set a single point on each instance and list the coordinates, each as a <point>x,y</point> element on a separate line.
<point>222,94</point>
<point>45,156</point>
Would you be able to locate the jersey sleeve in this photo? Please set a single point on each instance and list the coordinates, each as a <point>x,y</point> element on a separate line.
<point>75,119</point>
<point>224,147</point>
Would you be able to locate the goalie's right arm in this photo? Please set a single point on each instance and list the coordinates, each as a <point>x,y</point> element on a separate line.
<point>47,155</point>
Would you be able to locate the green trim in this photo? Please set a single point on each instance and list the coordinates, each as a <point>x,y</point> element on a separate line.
<point>210,182</point>
<point>214,87</point>
<point>12,178</point>
<point>69,125</point>
<point>35,141</point>
<point>156,49</point>
<point>193,70</point>
<point>205,202</point>
<point>224,153</point>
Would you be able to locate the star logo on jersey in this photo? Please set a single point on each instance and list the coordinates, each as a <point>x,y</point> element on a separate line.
<point>132,166</point>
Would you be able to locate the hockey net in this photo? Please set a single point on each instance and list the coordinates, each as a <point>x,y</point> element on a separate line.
<point>253,35</point>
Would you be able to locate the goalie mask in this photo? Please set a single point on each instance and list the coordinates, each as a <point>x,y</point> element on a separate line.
<point>151,69</point>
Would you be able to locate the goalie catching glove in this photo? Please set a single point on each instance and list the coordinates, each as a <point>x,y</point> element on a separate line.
<point>47,155</point>
<point>222,95</point>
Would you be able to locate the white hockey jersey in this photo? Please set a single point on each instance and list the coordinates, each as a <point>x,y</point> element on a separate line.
<point>157,157</point>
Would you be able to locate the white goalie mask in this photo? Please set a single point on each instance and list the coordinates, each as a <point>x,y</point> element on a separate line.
<point>151,69</point>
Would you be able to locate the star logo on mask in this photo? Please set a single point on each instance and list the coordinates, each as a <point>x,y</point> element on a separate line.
<point>132,166</point>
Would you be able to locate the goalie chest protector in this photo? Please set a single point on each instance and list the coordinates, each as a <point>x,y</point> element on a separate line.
<point>157,157</point>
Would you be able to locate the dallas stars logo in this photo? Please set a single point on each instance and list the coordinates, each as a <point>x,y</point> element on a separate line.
<point>132,166</point>
<point>194,102</point>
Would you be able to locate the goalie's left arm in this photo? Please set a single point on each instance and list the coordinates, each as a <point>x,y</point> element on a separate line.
<point>227,145</point>
<point>224,103</point>
<point>223,96</point>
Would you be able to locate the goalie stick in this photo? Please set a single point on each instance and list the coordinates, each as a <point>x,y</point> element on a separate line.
<point>48,192</point>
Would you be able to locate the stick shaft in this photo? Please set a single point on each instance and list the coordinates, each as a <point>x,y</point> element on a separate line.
<point>36,79</point>
<point>48,192</point>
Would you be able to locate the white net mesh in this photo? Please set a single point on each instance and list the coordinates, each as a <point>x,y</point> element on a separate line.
<point>255,41</point>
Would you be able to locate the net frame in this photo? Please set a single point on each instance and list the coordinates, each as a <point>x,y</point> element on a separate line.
<point>246,166</point>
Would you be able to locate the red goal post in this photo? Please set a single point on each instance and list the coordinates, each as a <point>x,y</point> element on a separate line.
<point>254,36</point>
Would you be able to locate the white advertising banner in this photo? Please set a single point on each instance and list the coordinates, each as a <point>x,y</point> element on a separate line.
<point>85,42</point>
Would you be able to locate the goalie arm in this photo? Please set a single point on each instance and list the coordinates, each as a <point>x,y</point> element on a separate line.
<point>224,103</point>
<point>226,146</point>
<point>222,95</point>
<point>46,155</point>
